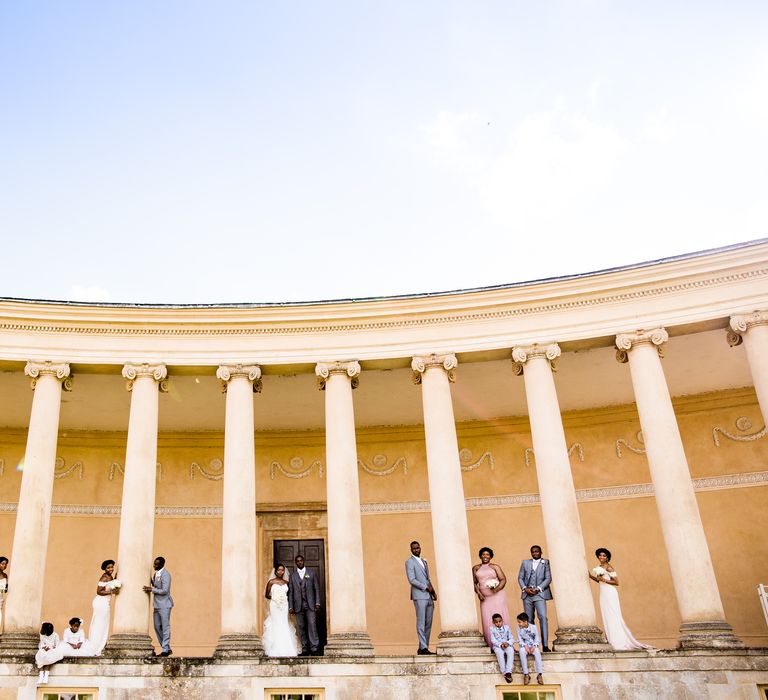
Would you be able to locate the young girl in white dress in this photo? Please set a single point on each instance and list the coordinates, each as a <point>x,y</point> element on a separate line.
<point>279,637</point>
<point>49,651</point>
<point>616,630</point>
<point>74,638</point>
<point>3,587</point>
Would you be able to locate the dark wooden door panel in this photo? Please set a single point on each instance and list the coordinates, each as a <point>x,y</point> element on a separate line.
<point>313,551</point>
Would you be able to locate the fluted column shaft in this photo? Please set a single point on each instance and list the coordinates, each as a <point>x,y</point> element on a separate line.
<point>137,515</point>
<point>698,597</point>
<point>30,541</point>
<point>348,627</point>
<point>239,621</point>
<point>458,613</point>
<point>752,330</point>
<point>576,614</point>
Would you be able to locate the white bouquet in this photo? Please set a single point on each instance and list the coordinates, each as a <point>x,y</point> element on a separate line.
<point>115,585</point>
<point>599,571</point>
<point>492,583</point>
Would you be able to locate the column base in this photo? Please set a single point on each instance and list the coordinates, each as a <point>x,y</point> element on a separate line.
<point>461,643</point>
<point>239,646</point>
<point>357,644</point>
<point>19,643</point>
<point>715,634</point>
<point>580,639</point>
<point>129,645</point>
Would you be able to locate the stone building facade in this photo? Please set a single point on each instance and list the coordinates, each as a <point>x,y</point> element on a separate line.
<point>623,409</point>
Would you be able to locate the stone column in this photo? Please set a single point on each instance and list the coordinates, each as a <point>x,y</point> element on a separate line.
<point>30,541</point>
<point>752,330</point>
<point>576,615</point>
<point>239,591</point>
<point>130,636</point>
<point>349,631</point>
<point>456,596</point>
<point>698,598</point>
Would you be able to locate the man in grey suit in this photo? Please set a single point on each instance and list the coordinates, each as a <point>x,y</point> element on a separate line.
<point>534,579</point>
<point>304,602</point>
<point>422,594</point>
<point>160,588</point>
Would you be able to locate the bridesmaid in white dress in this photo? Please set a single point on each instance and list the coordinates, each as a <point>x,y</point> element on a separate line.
<point>279,637</point>
<point>49,651</point>
<point>74,639</point>
<point>616,630</point>
<point>99,629</point>
<point>3,587</point>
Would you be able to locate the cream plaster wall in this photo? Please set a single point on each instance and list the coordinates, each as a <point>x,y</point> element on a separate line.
<point>735,518</point>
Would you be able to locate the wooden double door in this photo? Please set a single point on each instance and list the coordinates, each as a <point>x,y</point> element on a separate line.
<point>313,551</point>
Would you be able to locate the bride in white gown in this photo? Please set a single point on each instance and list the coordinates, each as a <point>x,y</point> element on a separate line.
<point>98,632</point>
<point>618,634</point>
<point>279,637</point>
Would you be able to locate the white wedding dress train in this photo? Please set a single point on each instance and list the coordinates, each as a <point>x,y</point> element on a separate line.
<point>98,632</point>
<point>616,631</point>
<point>279,638</point>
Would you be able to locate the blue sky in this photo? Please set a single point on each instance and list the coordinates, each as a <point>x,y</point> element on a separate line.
<point>240,151</point>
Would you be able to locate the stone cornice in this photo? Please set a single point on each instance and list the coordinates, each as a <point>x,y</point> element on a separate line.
<point>591,308</point>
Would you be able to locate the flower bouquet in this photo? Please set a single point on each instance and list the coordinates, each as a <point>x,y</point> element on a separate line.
<point>599,571</point>
<point>492,583</point>
<point>115,585</point>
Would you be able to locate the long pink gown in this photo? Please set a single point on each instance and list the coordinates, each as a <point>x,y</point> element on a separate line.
<point>495,601</point>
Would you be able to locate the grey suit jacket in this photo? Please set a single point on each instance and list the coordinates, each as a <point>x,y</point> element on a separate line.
<point>541,578</point>
<point>418,577</point>
<point>161,591</point>
<point>294,591</point>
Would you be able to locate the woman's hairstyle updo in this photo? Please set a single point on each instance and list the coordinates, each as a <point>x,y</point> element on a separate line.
<point>106,563</point>
<point>603,550</point>
<point>485,549</point>
<point>278,565</point>
<point>3,559</point>
<point>46,629</point>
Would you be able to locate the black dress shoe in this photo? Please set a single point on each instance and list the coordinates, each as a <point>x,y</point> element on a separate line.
<point>166,653</point>
<point>425,652</point>
<point>546,648</point>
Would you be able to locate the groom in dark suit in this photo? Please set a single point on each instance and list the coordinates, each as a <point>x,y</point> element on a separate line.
<point>534,579</point>
<point>304,602</point>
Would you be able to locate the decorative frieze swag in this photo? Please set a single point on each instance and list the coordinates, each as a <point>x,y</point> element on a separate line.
<point>421,363</point>
<point>743,424</point>
<point>158,372</point>
<point>225,373</point>
<point>59,370</point>
<point>351,368</point>
<point>625,341</point>
<point>522,353</point>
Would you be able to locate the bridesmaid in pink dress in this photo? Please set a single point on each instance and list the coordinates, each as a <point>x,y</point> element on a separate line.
<point>493,597</point>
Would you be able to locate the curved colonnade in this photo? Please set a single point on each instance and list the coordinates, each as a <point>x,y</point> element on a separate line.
<point>634,309</point>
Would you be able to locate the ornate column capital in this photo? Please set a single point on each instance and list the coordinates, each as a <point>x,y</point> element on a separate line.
<point>59,370</point>
<point>134,371</point>
<point>421,363</point>
<point>626,341</point>
<point>522,353</point>
<point>351,368</point>
<point>741,323</point>
<point>250,372</point>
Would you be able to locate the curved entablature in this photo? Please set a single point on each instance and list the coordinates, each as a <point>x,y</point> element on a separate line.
<point>697,292</point>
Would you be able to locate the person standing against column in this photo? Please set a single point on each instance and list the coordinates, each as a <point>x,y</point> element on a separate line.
<point>3,587</point>
<point>160,588</point>
<point>304,602</point>
<point>422,594</point>
<point>534,579</point>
